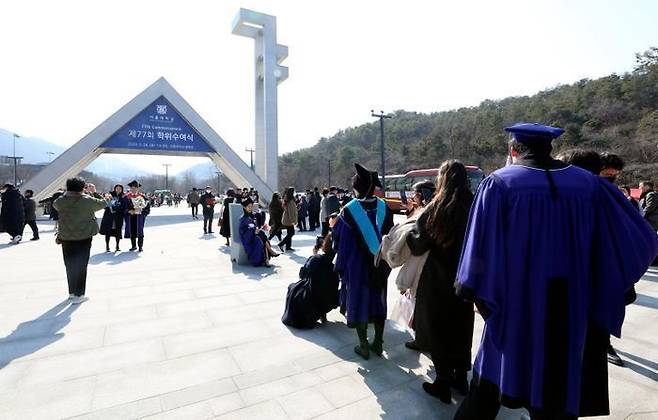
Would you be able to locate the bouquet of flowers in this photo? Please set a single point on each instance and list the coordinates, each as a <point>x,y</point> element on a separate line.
<point>139,204</point>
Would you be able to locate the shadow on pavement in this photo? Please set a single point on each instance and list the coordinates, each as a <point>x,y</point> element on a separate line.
<point>31,336</point>
<point>647,301</point>
<point>392,378</point>
<point>640,365</point>
<point>113,258</point>
<point>253,273</point>
<point>154,220</point>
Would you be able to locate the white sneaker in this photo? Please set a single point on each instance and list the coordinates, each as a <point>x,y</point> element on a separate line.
<point>16,239</point>
<point>79,299</point>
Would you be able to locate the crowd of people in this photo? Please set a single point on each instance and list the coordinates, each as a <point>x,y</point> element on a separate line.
<point>547,252</point>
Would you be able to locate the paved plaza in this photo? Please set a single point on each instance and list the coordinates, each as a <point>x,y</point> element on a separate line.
<point>178,332</point>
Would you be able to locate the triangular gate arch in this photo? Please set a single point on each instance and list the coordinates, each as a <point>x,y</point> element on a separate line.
<point>186,134</point>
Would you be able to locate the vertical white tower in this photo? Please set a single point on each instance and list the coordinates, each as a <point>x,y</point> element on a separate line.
<point>268,56</point>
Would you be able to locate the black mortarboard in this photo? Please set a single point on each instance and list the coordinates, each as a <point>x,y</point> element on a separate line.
<point>247,201</point>
<point>134,183</point>
<point>365,181</point>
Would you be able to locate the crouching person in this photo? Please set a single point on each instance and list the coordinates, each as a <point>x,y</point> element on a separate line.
<point>316,293</point>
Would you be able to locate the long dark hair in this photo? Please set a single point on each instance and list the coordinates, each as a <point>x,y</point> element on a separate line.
<point>275,203</point>
<point>447,213</point>
<point>289,195</point>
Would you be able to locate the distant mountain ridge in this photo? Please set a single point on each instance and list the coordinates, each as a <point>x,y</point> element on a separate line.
<point>36,151</point>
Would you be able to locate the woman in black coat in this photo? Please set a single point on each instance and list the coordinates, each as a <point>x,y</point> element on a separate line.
<point>12,215</point>
<point>276,216</point>
<point>112,221</point>
<point>440,316</point>
<point>312,297</point>
<point>225,229</point>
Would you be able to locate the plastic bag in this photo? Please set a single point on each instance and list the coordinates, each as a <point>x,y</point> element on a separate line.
<point>403,310</point>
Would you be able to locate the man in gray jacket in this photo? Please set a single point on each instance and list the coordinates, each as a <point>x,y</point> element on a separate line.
<point>194,199</point>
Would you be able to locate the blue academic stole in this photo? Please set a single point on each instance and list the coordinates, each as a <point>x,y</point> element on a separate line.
<point>363,223</point>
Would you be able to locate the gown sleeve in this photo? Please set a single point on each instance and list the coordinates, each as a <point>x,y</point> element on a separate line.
<point>624,246</point>
<point>341,236</point>
<point>482,273</point>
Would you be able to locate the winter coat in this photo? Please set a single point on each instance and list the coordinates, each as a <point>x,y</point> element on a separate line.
<point>207,201</point>
<point>649,205</point>
<point>302,212</point>
<point>30,209</point>
<point>276,216</point>
<point>314,203</point>
<point>193,198</point>
<point>443,322</point>
<point>77,218</point>
<point>112,221</point>
<point>330,205</point>
<point>225,230</point>
<point>12,214</point>
<point>289,214</point>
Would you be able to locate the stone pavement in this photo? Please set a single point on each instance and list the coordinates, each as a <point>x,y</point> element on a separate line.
<point>178,332</point>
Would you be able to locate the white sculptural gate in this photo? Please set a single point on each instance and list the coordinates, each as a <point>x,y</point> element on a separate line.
<point>159,121</point>
<point>268,56</point>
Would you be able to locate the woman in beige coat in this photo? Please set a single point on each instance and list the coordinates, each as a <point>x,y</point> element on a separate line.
<point>289,219</point>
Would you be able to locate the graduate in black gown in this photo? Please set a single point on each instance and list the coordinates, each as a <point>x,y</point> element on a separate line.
<point>316,293</point>
<point>225,221</point>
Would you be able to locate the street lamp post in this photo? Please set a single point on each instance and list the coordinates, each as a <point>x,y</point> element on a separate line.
<point>15,159</point>
<point>251,154</point>
<point>166,165</point>
<point>382,117</point>
<point>329,162</point>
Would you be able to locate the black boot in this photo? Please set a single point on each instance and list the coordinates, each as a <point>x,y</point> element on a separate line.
<point>362,349</point>
<point>440,388</point>
<point>377,345</point>
<point>459,382</point>
<point>613,357</point>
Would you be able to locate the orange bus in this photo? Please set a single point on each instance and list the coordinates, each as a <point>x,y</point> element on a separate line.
<point>397,185</point>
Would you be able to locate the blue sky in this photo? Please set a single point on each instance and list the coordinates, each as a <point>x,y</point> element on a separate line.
<point>66,66</point>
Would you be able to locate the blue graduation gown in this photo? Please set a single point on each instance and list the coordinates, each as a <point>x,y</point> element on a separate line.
<point>361,300</point>
<point>252,243</point>
<point>540,269</point>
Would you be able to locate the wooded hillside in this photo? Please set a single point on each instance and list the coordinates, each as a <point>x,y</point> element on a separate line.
<point>616,113</point>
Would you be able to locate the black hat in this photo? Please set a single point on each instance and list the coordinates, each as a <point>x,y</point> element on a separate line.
<point>365,181</point>
<point>134,183</point>
<point>208,187</point>
<point>247,201</point>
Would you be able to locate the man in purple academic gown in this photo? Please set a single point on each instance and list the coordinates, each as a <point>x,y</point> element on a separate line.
<point>137,208</point>
<point>357,234</point>
<point>549,249</point>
